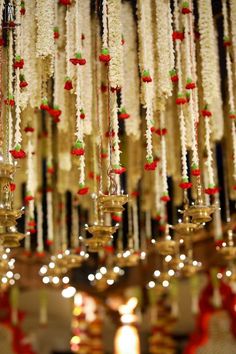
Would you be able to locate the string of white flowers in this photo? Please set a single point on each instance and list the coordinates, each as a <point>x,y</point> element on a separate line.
<point>104,24</point>
<point>209,161</point>
<point>18,136</point>
<point>1,9</point>
<point>233,132</point>
<point>79,99</point>
<point>228,60</point>
<point>30,176</point>
<point>40,245</point>
<point>49,195</point>
<point>232,5</point>
<point>130,86</point>
<point>165,58</point>
<point>149,122</point>
<point>163,156</point>
<point>207,51</point>
<point>45,24</point>
<point>69,43</point>
<point>230,84</point>
<point>50,230</point>
<point>114,40</point>
<point>56,71</point>
<point>190,71</point>
<point>10,91</point>
<point>64,242</point>
<point>115,127</point>
<point>87,77</point>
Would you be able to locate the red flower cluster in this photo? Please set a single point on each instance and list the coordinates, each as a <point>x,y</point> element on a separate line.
<point>78,149</point>
<point>82,114</point>
<point>110,134</point>
<point>227,42</point>
<point>12,187</point>
<point>18,63</point>
<point>146,77</point>
<point>56,34</point>
<point>161,132</point>
<point>119,170</point>
<point>18,153</point>
<point>78,59</point>
<point>29,129</point>
<point>181,99</point>
<point>104,88</point>
<point>22,8</point>
<point>123,114</point>
<point>83,190</point>
<point>68,84</point>
<point>173,75</point>
<point>23,82</point>
<point>195,172</point>
<point>190,85</point>
<point>55,113</point>
<point>177,35</point>
<point>185,185</point>
<point>105,57</point>
<point>185,8</point>
<point>150,165</point>
<point>206,113</point>
<point>211,190</point>
<point>104,154</point>
<point>44,105</point>
<point>9,101</point>
<point>232,115</point>
<point>165,198</point>
<point>65,2</point>
<point>28,198</point>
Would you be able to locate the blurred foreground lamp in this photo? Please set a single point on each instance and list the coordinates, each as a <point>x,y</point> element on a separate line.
<point>127,337</point>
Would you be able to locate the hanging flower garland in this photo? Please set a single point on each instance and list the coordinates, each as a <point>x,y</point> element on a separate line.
<point>87,77</point>
<point>165,194</point>
<point>165,50</point>
<point>130,86</point>
<point>49,194</point>
<point>232,6</point>
<point>78,149</point>
<point>208,81</point>
<point>231,98</point>
<point>69,49</point>
<point>114,41</point>
<point>45,26</point>
<point>180,101</point>
<point>9,101</point>
<point>145,35</point>
<point>17,152</point>
<point>40,244</point>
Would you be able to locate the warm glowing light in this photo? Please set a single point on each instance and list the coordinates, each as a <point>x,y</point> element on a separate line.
<point>68,292</point>
<point>127,340</point>
<point>65,280</point>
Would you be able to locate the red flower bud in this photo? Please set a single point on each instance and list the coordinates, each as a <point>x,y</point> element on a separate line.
<point>65,2</point>
<point>150,166</point>
<point>2,42</point>
<point>119,170</point>
<point>116,89</point>
<point>177,35</point>
<point>23,84</point>
<point>180,100</point>
<point>83,191</point>
<point>19,63</point>
<point>103,88</point>
<point>28,198</point>
<point>161,132</point>
<point>56,34</point>
<point>9,102</point>
<point>153,129</point>
<point>77,151</point>
<point>211,190</point>
<point>49,242</point>
<point>190,86</point>
<point>116,217</point>
<point>175,78</point>
<point>135,194</point>
<point>68,85</point>
<point>206,113</point>
<point>186,11</point>
<point>195,172</point>
<point>29,129</point>
<point>18,153</point>
<point>12,187</point>
<point>110,134</point>
<point>54,112</point>
<point>22,11</point>
<point>185,185</point>
<point>165,198</point>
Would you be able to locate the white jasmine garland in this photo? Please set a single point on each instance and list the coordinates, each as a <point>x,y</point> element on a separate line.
<point>40,245</point>
<point>149,120</point>
<point>87,78</point>
<point>182,127</point>
<point>115,127</point>
<point>45,25</point>
<point>191,74</point>
<point>114,41</point>
<point>69,49</point>
<point>232,5</point>
<point>130,86</point>
<point>233,132</point>
<point>209,161</point>
<point>10,90</point>
<point>104,24</point>
<point>50,230</point>
<point>18,135</point>
<point>164,45</point>
<point>207,50</point>
<point>163,156</point>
